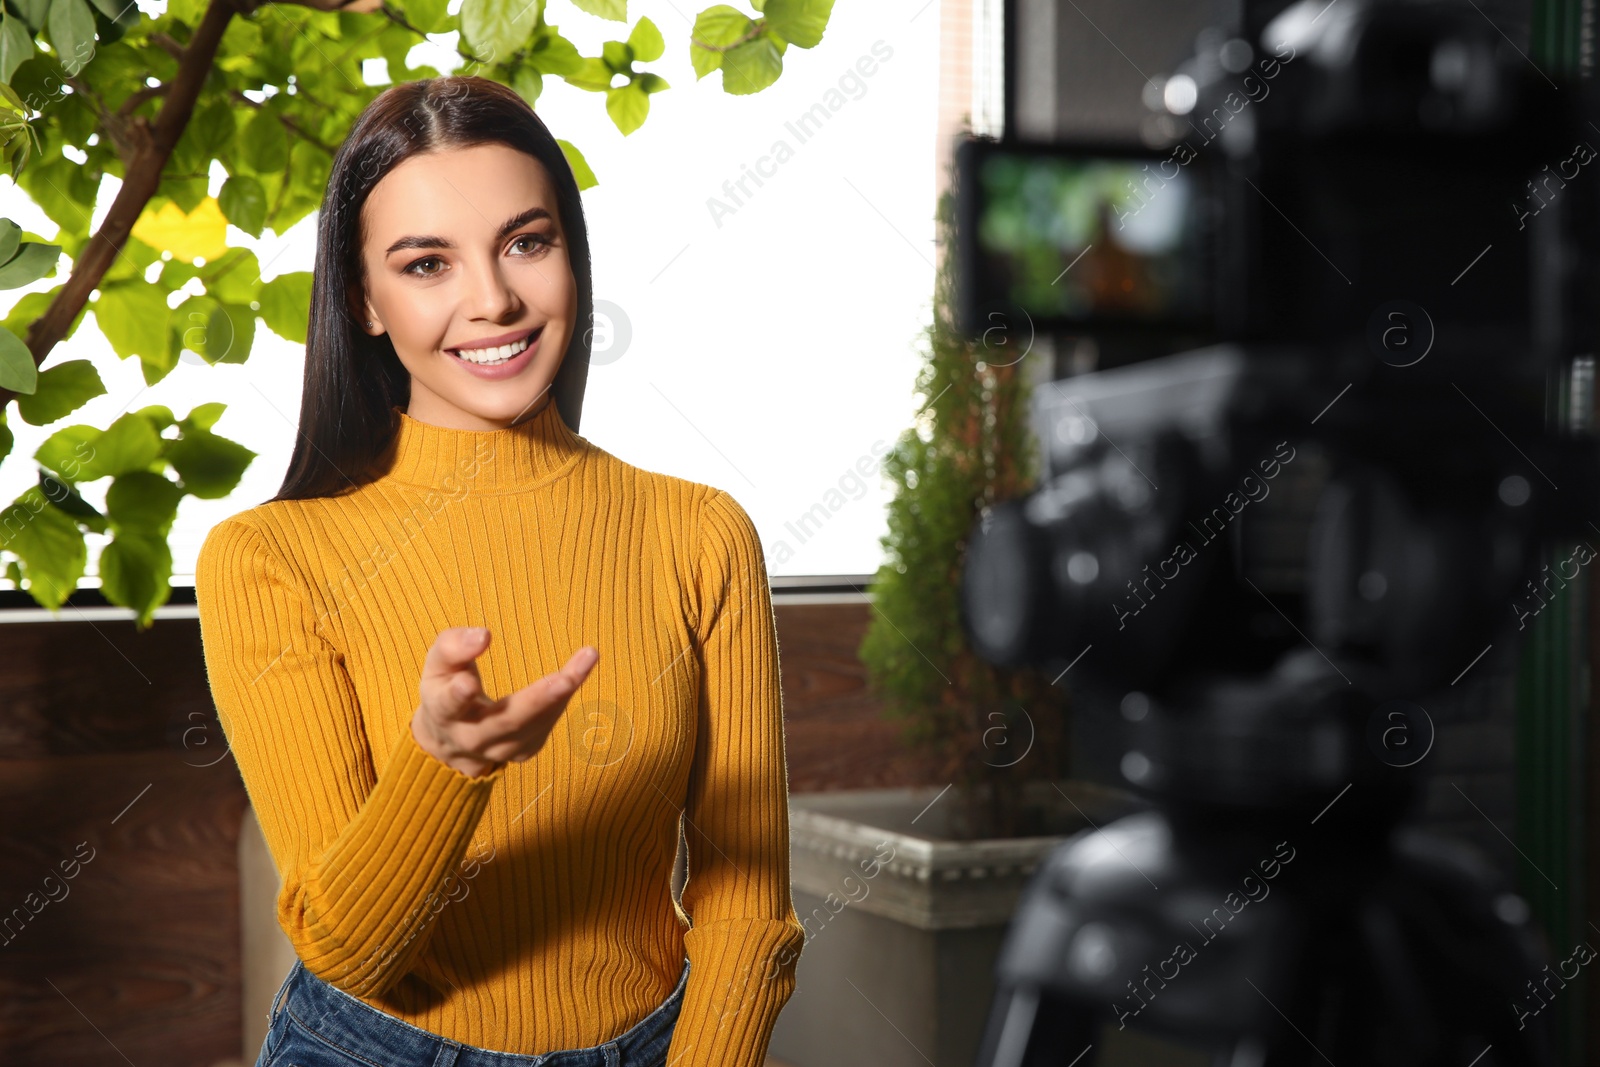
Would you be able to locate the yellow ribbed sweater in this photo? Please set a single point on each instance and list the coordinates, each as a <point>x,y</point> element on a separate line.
<point>529,909</point>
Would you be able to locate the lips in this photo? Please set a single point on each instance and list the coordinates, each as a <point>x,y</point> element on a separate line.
<point>497,341</point>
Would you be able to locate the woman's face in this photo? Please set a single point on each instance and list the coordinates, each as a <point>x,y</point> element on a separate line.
<point>463,248</point>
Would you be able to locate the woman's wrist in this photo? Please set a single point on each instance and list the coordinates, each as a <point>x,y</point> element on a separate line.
<point>471,766</point>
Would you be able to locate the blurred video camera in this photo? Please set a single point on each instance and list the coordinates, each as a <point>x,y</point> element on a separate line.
<point>1344,407</point>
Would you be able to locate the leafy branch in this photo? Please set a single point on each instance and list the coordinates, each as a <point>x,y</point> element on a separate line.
<point>90,88</point>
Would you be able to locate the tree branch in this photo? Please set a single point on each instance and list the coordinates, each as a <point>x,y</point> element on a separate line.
<point>358,7</point>
<point>288,123</point>
<point>398,18</point>
<point>172,47</point>
<point>141,180</point>
<point>135,99</point>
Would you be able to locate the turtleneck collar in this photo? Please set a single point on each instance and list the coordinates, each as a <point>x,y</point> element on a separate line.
<point>515,457</point>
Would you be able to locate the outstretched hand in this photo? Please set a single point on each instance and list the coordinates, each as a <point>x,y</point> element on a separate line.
<point>458,723</point>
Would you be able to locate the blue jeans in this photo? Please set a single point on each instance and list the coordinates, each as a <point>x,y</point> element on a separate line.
<point>316,1025</point>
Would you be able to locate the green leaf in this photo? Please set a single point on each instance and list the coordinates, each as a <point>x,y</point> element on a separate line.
<point>19,141</point>
<point>426,15</point>
<point>203,416</point>
<point>71,27</point>
<point>61,188</point>
<point>646,42</point>
<point>61,390</point>
<point>159,415</point>
<point>286,305</point>
<point>618,56</point>
<point>135,571</point>
<point>70,501</point>
<point>17,370</point>
<point>528,83</point>
<point>594,75</point>
<point>212,128</point>
<point>210,466</point>
<point>34,12</point>
<point>651,83</point>
<point>628,107</point>
<point>751,67</point>
<point>615,10</point>
<point>264,144</point>
<point>187,193</point>
<point>7,440</point>
<point>129,444</point>
<point>242,320</point>
<point>799,22</point>
<point>70,452</point>
<point>718,27</point>
<point>394,44</point>
<point>16,45</point>
<point>48,543</point>
<point>190,11</point>
<point>244,202</point>
<point>496,28</point>
<point>554,54</point>
<point>113,19</point>
<point>233,277</point>
<point>144,501</point>
<point>118,11</point>
<point>214,331</point>
<point>133,316</point>
<point>131,263</point>
<point>27,310</point>
<point>580,166</point>
<point>32,262</point>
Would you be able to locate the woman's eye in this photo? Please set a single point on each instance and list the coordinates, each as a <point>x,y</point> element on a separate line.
<point>412,269</point>
<point>537,239</point>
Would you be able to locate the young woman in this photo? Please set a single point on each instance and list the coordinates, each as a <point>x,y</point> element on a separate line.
<point>478,673</point>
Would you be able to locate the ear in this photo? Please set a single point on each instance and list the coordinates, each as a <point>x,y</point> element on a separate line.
<point>367,320</point>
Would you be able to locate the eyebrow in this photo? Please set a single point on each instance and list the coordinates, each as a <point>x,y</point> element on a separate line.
<point>431,241</point>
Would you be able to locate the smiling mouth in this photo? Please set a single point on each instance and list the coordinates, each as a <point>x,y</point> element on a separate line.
<point>489,357</point>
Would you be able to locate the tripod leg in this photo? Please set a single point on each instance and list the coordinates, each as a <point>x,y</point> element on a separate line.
<point>1029,1027</point>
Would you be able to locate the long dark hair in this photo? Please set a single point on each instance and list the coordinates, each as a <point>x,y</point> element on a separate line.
<point>353,380</point>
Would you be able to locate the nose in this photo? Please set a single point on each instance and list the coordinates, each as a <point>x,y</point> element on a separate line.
<point>488,294</point>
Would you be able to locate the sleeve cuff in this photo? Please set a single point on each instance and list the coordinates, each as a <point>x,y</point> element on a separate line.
<point>741,973</point>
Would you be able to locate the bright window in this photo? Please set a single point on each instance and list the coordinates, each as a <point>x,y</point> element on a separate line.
<point>773,323</point>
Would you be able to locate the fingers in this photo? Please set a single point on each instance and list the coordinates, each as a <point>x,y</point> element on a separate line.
<point>512,728</point>
<point>453,649</point>
<point>576,669</point>
<point>532,711</point>
<point>465,698</point>
<point>450,679</point>
<point>555,688</point>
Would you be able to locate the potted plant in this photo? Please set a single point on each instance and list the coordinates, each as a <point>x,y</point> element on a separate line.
<point>905,893</point>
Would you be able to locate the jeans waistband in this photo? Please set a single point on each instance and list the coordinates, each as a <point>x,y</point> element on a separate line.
<point>357,1027</point>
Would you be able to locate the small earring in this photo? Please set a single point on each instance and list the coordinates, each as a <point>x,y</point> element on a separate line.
<point>369,322</point>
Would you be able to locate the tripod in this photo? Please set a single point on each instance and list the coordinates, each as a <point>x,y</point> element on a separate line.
<point>1268,911</point>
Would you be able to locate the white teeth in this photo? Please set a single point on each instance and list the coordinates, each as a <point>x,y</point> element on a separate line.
<point>498,354</point>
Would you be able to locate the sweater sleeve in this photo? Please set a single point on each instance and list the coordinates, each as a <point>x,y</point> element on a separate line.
<point>363,858</point>
<point>745,938</point>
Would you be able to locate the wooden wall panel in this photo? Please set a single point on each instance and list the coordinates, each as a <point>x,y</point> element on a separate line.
<point>109,742</point>
<point>834,734</point>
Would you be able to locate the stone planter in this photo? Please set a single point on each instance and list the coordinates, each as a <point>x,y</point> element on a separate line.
<point>904,920</point>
